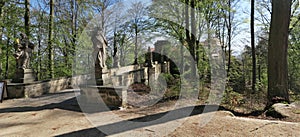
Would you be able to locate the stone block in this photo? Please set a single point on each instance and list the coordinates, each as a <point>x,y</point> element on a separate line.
<point>112,96</point>
<point>24,76</point>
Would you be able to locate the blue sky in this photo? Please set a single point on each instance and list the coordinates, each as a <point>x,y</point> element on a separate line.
<point>239,41</point>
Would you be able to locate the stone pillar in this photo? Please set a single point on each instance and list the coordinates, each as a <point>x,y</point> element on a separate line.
<point>98,75</point>
<point>24,76</point>
<point>102,77</point>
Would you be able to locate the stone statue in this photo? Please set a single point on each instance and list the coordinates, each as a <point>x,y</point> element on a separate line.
<point>99,43</point>
<point>23,50</point>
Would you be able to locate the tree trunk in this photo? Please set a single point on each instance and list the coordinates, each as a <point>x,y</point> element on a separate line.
<point>277,52</point>
<point>115,50</point>
<point>253,47</point>
<point>193,37</point>
<point>50,45</point>
<point>7,56</point>
<point>135,44</point>
<point>74,7</point>
<point>1,30</point>
<point>187,32</point>
<point>122,50</point>
<point>259,73</point>
<point>190,32</point>
<point>0,55</point>
<point>39,52</point>
<point>187,21</point>
<point>229,38</point>
<point>39,57</point>
<point>26,17</point>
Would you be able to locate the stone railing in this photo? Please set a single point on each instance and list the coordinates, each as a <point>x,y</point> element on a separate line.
<point>124,76</point>
<point>38,88</point>
<point>113,92</point>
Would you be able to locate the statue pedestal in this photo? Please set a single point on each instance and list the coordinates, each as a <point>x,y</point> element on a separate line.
<point>24,76</point>
<point>102,76</point>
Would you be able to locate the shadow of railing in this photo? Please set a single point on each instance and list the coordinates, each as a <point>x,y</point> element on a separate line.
<point>69,104</point>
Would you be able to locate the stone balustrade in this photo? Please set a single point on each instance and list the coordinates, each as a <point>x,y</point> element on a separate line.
<point>112,93</point>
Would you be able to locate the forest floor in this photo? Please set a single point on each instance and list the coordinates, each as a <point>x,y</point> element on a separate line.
<point>59,115</point>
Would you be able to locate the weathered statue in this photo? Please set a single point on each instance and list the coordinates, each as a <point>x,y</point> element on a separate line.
<point>99,44</point>
<point>23,50</point>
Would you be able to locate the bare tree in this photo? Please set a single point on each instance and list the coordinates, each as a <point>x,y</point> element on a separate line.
<point>137,13</point>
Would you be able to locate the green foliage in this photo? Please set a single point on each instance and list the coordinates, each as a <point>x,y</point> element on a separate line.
<point>11,24</point>
<point>293,55</point>
<point>232,98</point>
<point>236,76</point>
<point>203,64</point>
<point>245,66</point>
<point>171,80</point>
<point>294,96</point>
<point>293,60</point>
<point>169,84</point>
<point>109,62</point>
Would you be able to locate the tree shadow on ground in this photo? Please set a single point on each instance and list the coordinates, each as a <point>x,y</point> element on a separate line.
<point>144,121</point>
<point>69,104</point>
<point>150,120</point>
<point>126,125</point>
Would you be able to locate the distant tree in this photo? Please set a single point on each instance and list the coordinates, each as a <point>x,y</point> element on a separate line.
<point>50,40</point>
<point>231,26</point>
<point>253,46</point>
<point>263,14</point>
<point>277,52</point>
<point>137,13</point>
<point>229,33</point>
<point>261,51</point>
<point>12,22</point>
<point>27,17</point>
<point>293,61</point>
<point>1,33</point>
<point>294,50</point>
<point>246,62</point>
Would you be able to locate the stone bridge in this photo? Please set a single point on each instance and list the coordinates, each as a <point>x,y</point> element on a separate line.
<point>110,84</point>
<point>113,90</point>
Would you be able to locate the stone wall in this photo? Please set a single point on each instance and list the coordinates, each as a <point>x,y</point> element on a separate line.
<point>117,80</point>
<point>112,96</point>
<point>38,88</point>
<point>114,93</point>
<point>124,76</point>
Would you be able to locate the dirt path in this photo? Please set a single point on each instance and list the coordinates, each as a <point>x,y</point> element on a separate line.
<point>59,115</point>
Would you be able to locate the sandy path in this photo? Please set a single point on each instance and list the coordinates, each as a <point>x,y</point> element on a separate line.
<point>59,115</point>
<point>44,116</point>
